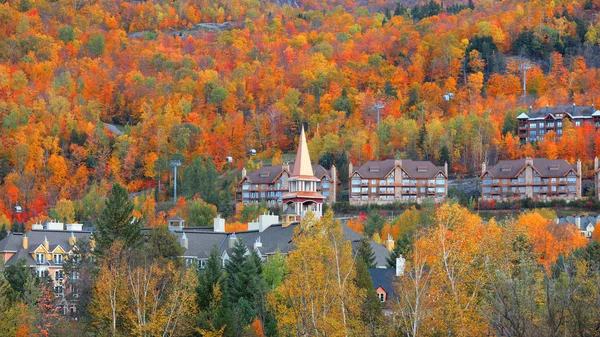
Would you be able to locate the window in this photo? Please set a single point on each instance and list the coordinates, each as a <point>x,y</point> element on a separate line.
<point>381,297</point>
<point>41,273</point>
<point>559,124</point>
<point>59,276</point>
<point>541,125</point>
<point>390,180</point>
<point>382,182</point>
<point>373,190</point>
<point>487,181</point>
<point>431,181</point>
<point>440,190</point>
<point>373,182</point>
<point>72,309</point>
<point>355,181</point>
<point>58,258</point>
<point>58,290</point>
<point>577,123</point>
<point>74,291</point>
<point>532,125</point>
<point>40,258</point>
<point>201,264</point>
<point>189,261</point>
<point>533,133</point>
<point>245,187</point>
<point>75,276</point>
<point>355,189</point>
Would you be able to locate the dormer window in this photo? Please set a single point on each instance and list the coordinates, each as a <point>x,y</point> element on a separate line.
<point>40,258</point>
<point>58,259</point>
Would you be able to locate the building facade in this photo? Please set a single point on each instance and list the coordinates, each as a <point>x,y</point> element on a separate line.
<point>535,125</point>
<point>536,178</point>
<point>45,249</point>
<point>392,180</point>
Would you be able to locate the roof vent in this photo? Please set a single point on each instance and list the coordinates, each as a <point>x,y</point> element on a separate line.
<point>506,168</point>
<point>554,167</point>
<point>374,169</point>
<point>421,169</point>
<point>265,174</point>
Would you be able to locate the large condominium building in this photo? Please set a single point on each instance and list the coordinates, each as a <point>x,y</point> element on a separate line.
<point>45,249</point>
<point>394,180</point>
<point>536,178</point>
<point>533,126</point>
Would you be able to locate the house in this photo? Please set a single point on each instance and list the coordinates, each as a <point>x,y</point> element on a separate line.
<point>536,178</point>
<point>393,180</point>
<point>383,283</point>
<point>267,235</point>
<point>536,124</point>
<point>585,223</point>
<point>45,249</point>
<point>270,183</point>
<point>597,178</point>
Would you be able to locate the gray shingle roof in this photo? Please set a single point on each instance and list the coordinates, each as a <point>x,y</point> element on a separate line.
<point>265,174</point>
<point>384,278</point>
<point>574,111</point>
<point>416,169</point>
<point>13,242</point>
<point>546,168</point>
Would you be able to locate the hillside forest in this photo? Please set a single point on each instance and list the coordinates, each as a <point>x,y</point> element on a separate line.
<point>97,92</point>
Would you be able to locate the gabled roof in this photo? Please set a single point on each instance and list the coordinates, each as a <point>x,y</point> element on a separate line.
<point>573,111</point>
<point>265,174</point>
<point>14,241</point>
<point>384,278</point>
<point>545,167</point>
<point>377,169</point>
<point>421,169</point>
<point>523,116</point>
<point>380,252</point>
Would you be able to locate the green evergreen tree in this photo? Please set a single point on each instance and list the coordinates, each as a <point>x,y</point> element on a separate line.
<point>444,156</point>
<point>402,247</point>
<point>208,278</point>
<point>117,222</point>
<point>162,244</point>
<point>371,307</point>
<point>421,145</point>
<point>343,103</point>
<point>326,160</point>
<point>374,224</point>
<point>365,253</point>
<point>3,232</point>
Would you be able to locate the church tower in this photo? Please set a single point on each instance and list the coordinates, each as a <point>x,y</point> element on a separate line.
<point>303,195</point>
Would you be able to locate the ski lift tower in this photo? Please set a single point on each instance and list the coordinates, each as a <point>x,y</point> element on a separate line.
<point>378,106</point>
<point>524,67</point>
<point>175,164</point>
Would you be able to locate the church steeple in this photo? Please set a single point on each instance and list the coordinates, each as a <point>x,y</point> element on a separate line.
<point>302,165</point>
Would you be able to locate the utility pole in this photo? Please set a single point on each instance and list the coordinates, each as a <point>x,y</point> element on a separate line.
<point>378,106</point>
<point>175,164</point>
<point>524,67</point>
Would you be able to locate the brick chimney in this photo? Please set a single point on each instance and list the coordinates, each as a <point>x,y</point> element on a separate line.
<point>595,165</point>
<point>25,242</point>
<point>483,168</point>
<point>389,243</point>
<point>446,168</point>
<point>350,170</point>
<point>579,167</point>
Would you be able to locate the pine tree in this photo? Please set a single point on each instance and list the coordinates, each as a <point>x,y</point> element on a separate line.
<point>208,279</point>
<point>370,308</point>
<point>365,253</point>
<point>117,222</point>
<point>3,232</point>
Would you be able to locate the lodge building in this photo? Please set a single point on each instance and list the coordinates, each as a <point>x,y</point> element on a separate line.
<point>392,180</point>
<point>535,125</point>
<point>535,178</point>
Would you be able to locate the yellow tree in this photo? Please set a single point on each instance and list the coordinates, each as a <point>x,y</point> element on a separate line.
<point>319,296</point>
<point>454,247</point>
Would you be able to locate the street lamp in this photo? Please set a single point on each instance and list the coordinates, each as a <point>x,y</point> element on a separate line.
<point>175,164</point>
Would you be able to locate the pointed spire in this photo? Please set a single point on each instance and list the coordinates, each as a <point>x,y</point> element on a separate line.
<point>302,166</point>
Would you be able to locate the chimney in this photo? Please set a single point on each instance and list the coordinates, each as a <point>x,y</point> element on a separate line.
<point>184,241</point>
<point>286,167</point>
<point>389,243</point>
<point>400,263</point>
<point>529,161</point>
<point>72,239</point>
<point>446,168</point>
<point>257,243</point>
<point>232,239</point>
<point>574,108</point>
<point>593,108</point>
<point>578,221</point>
<point>333,191</point>
<point>350,170</point>
<point>25,242</point>
<point>219,224</point>
<point>483,168</point>
<point>244,172</point>
<point>579,167</point>
<point>266,220</point>
<point>547,109</point>
<point>46,244</point>
<point>530,110</point>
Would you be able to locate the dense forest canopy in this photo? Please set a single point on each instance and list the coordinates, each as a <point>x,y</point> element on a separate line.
<point>213,79</point>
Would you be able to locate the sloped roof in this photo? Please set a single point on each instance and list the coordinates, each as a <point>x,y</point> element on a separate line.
<point>574,111</point>
<point>384,278</point>
<point>421,169</point>
<point>13,242</point>
<point>265,174</point>
<point>379,251</point>
<point>545,167</point>
<point>377,169</point>
<point>302,165</point>
<point>584,221</point>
